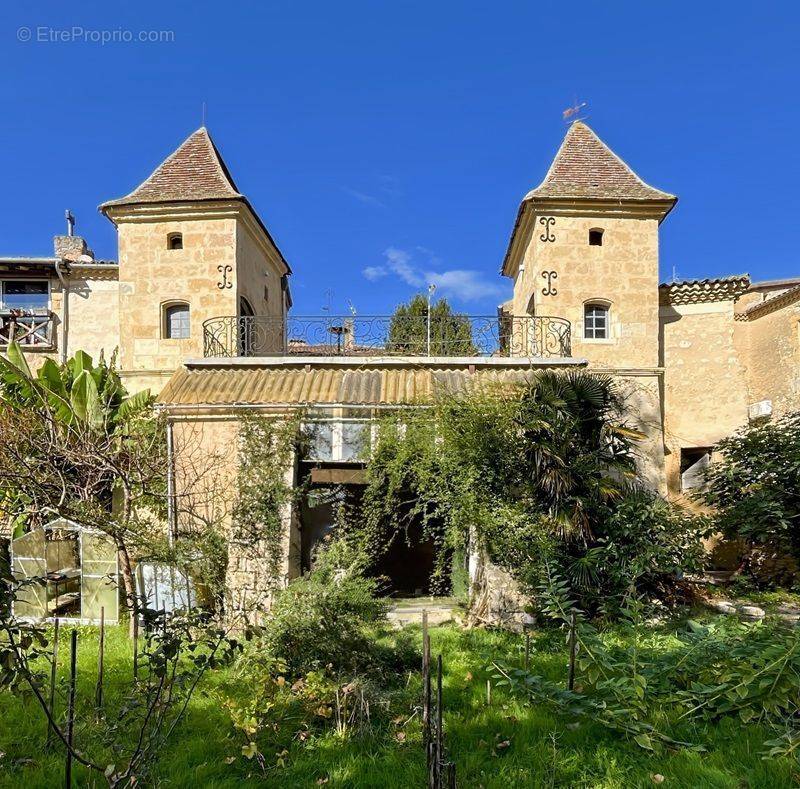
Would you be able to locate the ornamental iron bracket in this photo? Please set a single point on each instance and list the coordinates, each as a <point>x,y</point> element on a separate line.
<point>224,270</point>
<point>549,290</point>
<point>547,222</point>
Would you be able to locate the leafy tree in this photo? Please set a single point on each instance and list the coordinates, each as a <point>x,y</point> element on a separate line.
<point>73,444</point>
<point>755,486</point>
<point>451,333</point>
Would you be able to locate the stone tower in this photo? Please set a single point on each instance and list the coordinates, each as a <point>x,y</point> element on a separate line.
<point>191,248</point>
<point>585,248</point>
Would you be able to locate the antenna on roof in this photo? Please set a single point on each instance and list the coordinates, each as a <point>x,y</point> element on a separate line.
<point>70,222</point>
<point>570,114</point>
<point>203,114</point>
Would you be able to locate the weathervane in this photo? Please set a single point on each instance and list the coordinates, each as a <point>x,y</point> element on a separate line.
<point>570,114</point>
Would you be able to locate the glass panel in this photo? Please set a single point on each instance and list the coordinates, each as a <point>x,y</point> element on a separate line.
<point>320,441</point>
<point>355,440</point>
<point>595,323</point>
<point>178,322</point>
<point>25,295</point>
<point>99,593</point>
<point>31,597</point>
<point>164,587</point>
<point>30,545</point>
<point>98,548</point>
<point>62,553</point>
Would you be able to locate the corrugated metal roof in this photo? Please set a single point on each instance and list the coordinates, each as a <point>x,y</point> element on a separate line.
<point>325,385</point>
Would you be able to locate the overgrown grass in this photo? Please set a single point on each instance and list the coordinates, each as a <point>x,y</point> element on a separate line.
<point>542,751</point>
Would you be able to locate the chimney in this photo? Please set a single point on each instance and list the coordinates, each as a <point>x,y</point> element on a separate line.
<point>72,249</point>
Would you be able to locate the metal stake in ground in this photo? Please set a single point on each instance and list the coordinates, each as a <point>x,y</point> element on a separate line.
<point>53,673</point>
<point>73,672</point>
<point>573,644</point>
<point>135,614</point>
<point>98,692</point>
<point>439,721</point>
<point>426,682</point>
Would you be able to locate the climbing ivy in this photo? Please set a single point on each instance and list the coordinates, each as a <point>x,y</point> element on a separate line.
<point>267,447</point>
<point>539,470</point>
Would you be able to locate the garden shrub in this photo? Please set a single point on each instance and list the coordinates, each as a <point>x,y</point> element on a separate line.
<point>331,618</point>
<point>755,490</point>
<point>645,544</point>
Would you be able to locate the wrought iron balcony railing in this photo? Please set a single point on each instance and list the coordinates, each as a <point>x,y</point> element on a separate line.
<point>28,328</point>
<point>452,335</point>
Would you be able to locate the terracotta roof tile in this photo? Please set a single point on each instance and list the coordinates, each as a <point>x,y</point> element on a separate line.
<point>195,171</point>
<point>699,291</point>
<point>585,167</point>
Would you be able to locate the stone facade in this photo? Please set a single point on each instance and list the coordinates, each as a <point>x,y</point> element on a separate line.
<point>694,360</point>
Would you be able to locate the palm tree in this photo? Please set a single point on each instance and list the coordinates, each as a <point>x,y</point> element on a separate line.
<point>576,457</point>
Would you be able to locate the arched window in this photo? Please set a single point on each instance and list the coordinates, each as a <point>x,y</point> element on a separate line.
<point>175,241</point>
<point>176,321</point>
<point>595,321</point>
<point>596,237</point>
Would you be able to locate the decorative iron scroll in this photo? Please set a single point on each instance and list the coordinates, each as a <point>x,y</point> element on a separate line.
<point>455,335</point>
<point>224,270</point>
<point>547,222</point>
<point>549,290</point>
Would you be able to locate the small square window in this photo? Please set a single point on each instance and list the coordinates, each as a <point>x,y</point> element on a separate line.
<point>596,238</point>
<point>175,241</point>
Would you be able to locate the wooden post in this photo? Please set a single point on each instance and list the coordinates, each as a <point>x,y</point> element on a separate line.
<point>488,693</point>
<point>98,693</point>
<point>439,721</point>
<point>135,641</point>
<point>73,672</point>
<point>426,681</point>
<point>527,651</point>
<point>573,643</point>
<point>53,674</point>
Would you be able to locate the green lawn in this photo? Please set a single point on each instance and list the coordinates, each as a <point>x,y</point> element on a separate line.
<point>544,750</point>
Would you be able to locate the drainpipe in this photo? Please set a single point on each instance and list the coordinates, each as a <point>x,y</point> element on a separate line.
<point>171,513</point>
<point>64,311</point>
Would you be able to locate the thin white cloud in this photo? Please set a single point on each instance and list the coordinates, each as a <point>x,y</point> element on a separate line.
<point>363,197</point>
<point>374,273</point>
<point>458,284</point>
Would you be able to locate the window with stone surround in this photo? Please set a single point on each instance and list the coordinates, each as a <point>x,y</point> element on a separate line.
<point>175,241</point>
<point>596,321</point>
<point>176,325</point>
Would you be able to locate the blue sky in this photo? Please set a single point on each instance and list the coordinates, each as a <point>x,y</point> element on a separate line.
<point>397,138</point>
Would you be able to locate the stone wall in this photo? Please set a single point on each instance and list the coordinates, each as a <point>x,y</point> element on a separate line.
<point>705,394</point>
<point>771,343</point>
<point>206,468</point>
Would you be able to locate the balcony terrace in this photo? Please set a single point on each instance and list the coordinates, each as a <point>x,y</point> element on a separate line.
<point>29,328</point>
<point>382,335</point>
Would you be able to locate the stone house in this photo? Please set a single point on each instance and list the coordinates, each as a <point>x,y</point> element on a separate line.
<point>198,307</point>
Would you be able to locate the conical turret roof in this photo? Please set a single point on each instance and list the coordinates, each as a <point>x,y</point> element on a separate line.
<point>195,171</point>
<point>585,167</point>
